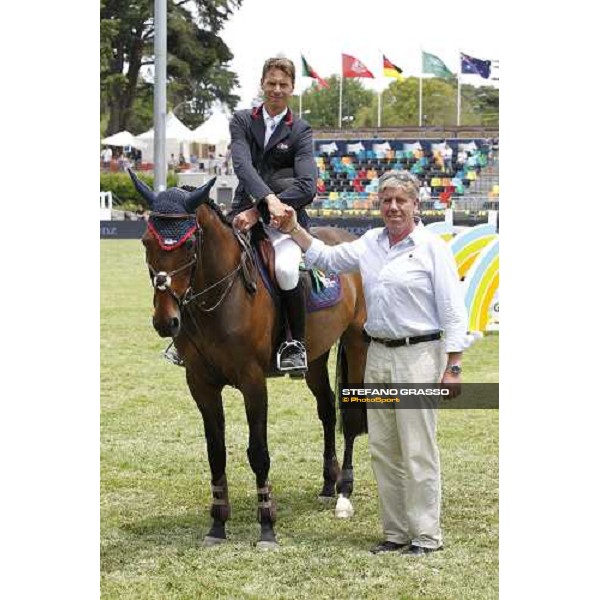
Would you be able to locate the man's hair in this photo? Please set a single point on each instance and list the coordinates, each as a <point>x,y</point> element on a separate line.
<point>281,63</point>
<point>403,179</point>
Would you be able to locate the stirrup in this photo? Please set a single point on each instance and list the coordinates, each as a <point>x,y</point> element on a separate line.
<point>171,354</point>
<point>296,350</point>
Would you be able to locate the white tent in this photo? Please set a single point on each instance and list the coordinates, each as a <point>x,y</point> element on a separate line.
<point>124,138</point>
<point>214,130</point>
<point>177,137</point>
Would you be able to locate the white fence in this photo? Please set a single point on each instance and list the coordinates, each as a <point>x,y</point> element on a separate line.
<point>106,203</point>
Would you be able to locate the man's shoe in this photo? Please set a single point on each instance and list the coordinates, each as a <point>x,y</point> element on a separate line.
<point>420,550</point>
<point>291,357</point>
<point>172,356</point>
<point>388,546</point>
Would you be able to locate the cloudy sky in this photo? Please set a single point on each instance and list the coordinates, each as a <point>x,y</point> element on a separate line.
<point>322,29</point>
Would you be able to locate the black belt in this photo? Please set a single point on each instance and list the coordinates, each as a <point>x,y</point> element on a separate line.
<point>407,341</point>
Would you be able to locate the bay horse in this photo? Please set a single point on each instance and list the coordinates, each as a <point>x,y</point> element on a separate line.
<point>226,330</point>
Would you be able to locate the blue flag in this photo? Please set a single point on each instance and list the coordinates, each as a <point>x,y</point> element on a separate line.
<point>475,66</point>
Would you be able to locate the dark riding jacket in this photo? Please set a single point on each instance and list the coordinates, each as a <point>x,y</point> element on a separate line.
<point>286,162</point>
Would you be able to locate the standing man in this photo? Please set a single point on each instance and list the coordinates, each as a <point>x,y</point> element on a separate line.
<point>272,154</point>
<point>417,326</point>
<point>106,156</point>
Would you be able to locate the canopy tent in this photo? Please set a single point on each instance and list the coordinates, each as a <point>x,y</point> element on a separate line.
<point>177,137</point>
<point>124,138</point>
<point>214,131</point>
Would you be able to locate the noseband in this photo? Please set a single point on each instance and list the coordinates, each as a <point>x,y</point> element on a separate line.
<point>161,280</point>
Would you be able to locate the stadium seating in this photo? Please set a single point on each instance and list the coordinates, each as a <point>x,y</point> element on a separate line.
<point>349,171</point>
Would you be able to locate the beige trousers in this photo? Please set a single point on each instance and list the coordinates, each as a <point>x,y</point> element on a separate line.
<point>404,452</point>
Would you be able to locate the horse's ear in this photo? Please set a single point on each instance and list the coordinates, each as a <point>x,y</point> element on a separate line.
<point>197,197</point>
<point>142,188</point>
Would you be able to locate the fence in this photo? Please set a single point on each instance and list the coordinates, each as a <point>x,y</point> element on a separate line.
<point>106,203</point>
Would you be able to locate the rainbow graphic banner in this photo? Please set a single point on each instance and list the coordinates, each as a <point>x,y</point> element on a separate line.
<point>481,284</point>
<point>442,228</point>
<point>467,246</point>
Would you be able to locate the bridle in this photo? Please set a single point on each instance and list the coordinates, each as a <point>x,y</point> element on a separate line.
<point>161,280</point>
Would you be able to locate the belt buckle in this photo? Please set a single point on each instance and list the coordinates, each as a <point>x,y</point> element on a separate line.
<point>407,341</point>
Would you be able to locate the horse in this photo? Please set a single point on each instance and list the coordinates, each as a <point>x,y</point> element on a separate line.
<point>225,326</point>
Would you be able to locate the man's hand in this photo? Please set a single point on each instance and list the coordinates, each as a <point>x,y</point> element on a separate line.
<point>289,220</point>
<point>245,220</point>
<point>276,209</point>
<point>452,383</point>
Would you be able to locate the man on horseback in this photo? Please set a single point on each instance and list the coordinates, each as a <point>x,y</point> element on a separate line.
<point>272,154</point>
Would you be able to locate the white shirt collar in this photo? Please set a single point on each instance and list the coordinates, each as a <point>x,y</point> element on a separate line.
<point>276,118</point>
<point>414,236</point>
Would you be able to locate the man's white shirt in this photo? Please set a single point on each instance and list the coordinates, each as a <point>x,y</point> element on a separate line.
<point>411,288</point>
<point>271,123</point>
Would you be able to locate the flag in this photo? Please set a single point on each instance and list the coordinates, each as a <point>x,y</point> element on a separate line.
<point>475,66</point>
<point>391,70</point>
<point>308,71</point>
<point>433,64</point>
<point>352,67</point>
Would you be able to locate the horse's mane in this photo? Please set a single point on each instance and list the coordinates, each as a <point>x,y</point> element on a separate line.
<point>211,203</point>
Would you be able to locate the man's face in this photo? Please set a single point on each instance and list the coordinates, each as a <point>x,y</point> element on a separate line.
<point>277,88</point>
<point>398,210</point>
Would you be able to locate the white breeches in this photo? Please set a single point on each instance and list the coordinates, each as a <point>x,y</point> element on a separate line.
<point>287,258</point>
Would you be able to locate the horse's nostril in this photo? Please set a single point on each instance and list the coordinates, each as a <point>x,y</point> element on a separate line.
<point>175,325</point>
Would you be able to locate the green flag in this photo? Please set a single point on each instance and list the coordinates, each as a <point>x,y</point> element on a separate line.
<point>432,64</point>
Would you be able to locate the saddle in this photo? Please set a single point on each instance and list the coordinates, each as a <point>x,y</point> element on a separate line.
<point>321,290</point>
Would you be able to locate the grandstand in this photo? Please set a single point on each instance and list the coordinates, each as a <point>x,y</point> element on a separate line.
<point>349,171</point>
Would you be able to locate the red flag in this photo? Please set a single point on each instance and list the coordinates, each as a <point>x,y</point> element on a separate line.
<point>352,67</point>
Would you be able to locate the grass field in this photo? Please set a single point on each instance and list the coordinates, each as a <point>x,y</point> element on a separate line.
<point>155,482</point>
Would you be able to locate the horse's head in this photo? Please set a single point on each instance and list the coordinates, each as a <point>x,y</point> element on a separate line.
<point>171,242</point>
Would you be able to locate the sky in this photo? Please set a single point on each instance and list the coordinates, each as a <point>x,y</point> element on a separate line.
<point>322,29</point>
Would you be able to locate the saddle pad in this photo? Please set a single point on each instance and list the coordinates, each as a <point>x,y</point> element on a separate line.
<point>325,291</point>
<point>262,269</point>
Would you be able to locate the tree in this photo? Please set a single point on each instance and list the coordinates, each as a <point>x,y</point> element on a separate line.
<point>323,103</point>
<point>197,59</point>
<point>400,104</point>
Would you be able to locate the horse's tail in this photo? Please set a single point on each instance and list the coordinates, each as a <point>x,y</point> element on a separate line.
<point>353,419</point>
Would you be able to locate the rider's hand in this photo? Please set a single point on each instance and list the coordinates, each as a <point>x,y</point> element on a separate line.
<point>289,221</point>
<point>276,207</point>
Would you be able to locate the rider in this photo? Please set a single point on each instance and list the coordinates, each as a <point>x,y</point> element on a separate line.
<point>272,154</point>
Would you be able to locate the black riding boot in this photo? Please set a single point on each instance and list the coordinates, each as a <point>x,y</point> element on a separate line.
<point>293,354</point>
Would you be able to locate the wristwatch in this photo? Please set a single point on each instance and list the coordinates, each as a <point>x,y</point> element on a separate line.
<point>454,369</point>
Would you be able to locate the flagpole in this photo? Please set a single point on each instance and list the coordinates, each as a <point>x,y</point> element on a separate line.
<point>341,83</point>
<point>379,109</point>
<point>458,93</point>
<point>421,92</point>
<point>300,107</point>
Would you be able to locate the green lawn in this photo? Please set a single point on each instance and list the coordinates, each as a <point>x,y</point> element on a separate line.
<point>155,482</point>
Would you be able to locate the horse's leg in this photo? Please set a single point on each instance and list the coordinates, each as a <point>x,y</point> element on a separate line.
<point>209,401</point>
<point>255,401</point>
<point>317,380</point>
<point>353,418</point>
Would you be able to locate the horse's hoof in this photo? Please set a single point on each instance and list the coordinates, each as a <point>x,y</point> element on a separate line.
<point>266,545</point>
<point>210,541</point>
<point>343,508</point>
<point>326,499</point>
